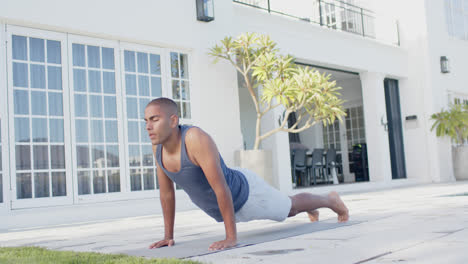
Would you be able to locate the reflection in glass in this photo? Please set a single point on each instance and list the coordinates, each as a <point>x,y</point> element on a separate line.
<point>54,52</point>
<point>84,184</point>
<point>36,49</point>
<point>135,180</point>
<point>142,62</point>
<point>94,57</point>
<point>143,85</point>
<point>54,78</point>
<point>79,80</point>
<point>185,90</point>
<point>59,184</point>
<point>113,177</point>
<point>155,64</point>
<point>130,84</point>
<point>20,46</point>
<point>81,105</point>
<point>37,76</point>
<point>38,104</point>
<point>97,133</point>
<point>1,186</point>
<point>147,155</point>
<point>129,58</point>
<point>143,103</point>
<point>109,82</point>
<point>21,102</point>
<point>108,58</point>
<point>144,133</point>
<point>23,186</point>
<point>110,107</point>
<point>41,184</point>
<point>23,157</point>
<point>41,157</point>
<point>22,129</point>
<point>95,105</point>
<point>148,179</point>
<point>57,157</point>
<point>174,65</point>
<point>186,110</point>
<point>183,66</point>
<point>94,81</point>
<point>78,55</point>
<point>133,131</point>
<point>82,156</point>
<point>98,160</point>
<point>175,89</point>
<point>99,181</point>
<point>134,155</point>
<point>39,129</point>
<point>55,104</point>
<point>112,156</point>
<point>111,131</point>
<point>156,90</point>
<point>20,74</point>
<point>81,128</point>
<point>132,108</point>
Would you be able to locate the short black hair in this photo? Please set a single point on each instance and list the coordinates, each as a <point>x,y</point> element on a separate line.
<point>167,104</point>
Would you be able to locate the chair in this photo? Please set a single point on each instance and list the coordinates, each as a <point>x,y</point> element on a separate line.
<point>317,163</point>
<point>300,164</point>
<point>330,162</point>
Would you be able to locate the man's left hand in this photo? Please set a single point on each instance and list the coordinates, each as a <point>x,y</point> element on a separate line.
<point>223,244</point>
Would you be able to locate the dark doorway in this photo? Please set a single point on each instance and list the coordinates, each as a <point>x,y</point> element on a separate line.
<point>395,131</point>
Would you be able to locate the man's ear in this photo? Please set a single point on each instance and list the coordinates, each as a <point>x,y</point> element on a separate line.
<point>174,120</point>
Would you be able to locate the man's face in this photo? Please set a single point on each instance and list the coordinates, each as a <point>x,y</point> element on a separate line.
<point>159,124</point>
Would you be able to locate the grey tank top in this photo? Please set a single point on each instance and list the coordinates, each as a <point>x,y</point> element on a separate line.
<point>192,179</point>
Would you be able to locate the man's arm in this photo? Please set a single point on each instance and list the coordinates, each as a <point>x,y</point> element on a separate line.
<point>167,198</point>
<point>203,151</point>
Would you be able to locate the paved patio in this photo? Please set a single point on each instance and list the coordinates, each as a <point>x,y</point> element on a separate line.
<point>418,224</point>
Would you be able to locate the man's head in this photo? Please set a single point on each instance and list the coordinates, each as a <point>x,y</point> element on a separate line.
<point>161,119</point>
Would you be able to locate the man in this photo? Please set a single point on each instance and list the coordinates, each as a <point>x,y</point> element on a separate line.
<point>188,156</point>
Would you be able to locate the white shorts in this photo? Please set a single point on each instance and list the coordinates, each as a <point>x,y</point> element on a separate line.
<point>264,201</point>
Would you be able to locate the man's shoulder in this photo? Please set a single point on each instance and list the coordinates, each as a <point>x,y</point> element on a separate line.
<point>195,133</point>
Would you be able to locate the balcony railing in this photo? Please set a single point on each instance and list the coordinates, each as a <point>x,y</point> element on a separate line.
<point>333,14</point>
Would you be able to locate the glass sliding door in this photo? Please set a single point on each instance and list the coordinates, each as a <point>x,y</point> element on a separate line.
<point>180,84</point>
<point>37,113</point>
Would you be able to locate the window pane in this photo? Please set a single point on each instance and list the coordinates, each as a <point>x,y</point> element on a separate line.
<point>57,157</point>
<point>38,103</point>
<point>97,131</point>
<point>54,52</point>
<point>142,62</point>
<point>41,184</point>
<point>54,78</point>
<point>185,90</point>
<point>108,58</point>
<point>59,184</point>
<point>79,80</point>
<point>39,129</point>
<point>20,47</point>
<point>133,131</point>
<point>156,90</point>
<point>95,104</point>
<point>81,105</point>
<point>97,159</point>
<point>81,128</point>
<point>78,55</point>
<point>20,74</point>
<point>82,156</point>
<point>110,107</point>
<point>111,131</point>
<point>148,178</point>
<point>23,157</point>
<point>135,180</point>
<point>56,130</point>
<point>22,130</point>
<point>38,76</point>
<point>132,108</point>
<point>129,57</point>
<point>113,177</point>
<point>130,84</point>
<point>1,186</point>
<point>144,133</point>
<point>186,110</point>
<point>183,66</point>
<point>84,183</point>
<point>147,155</point>
<point>143,85</point>
<point>94,81</point>
<point>109,82</point>
<point>94,57</point>
<point>175,89</point>
<point>112,156</point>
<point>134,155</point>
<point>41,157</point>
<point>23,186</point>
<point>55,104</point>
<point>155,64</point>
<point>143,103</point>
<point>174,65</point>
<point>36,49</point>
<point>99,181</point>
<point>21,102</point>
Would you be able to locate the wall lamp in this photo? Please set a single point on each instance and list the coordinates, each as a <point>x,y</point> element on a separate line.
<point>205,10</point>
<point>444,64</point>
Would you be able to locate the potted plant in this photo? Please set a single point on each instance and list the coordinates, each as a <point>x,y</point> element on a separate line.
<point>274,80</point>
<point>454,124</point>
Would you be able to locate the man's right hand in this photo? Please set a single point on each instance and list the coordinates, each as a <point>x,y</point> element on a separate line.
<point>162,243</point>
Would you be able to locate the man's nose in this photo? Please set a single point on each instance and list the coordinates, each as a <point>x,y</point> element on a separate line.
<point>148,126</point>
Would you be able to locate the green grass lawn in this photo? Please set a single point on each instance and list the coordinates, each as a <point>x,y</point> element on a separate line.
<point>35,255</point>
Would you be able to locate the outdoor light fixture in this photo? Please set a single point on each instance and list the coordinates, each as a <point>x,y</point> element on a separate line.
<point>444,64</point>
<point>205,10</point>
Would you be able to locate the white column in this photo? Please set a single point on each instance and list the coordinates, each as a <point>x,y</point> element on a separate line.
<point>378,150</point>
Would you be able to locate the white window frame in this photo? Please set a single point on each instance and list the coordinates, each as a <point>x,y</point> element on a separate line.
<point>5,205</point>
<point>51,201</point>
<point>449,11</point>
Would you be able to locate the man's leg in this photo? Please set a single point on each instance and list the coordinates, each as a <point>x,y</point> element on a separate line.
<point>307,202</point>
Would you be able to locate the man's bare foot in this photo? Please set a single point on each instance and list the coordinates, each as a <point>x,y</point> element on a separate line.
<point>313,216</point>
<point>338,207</point>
